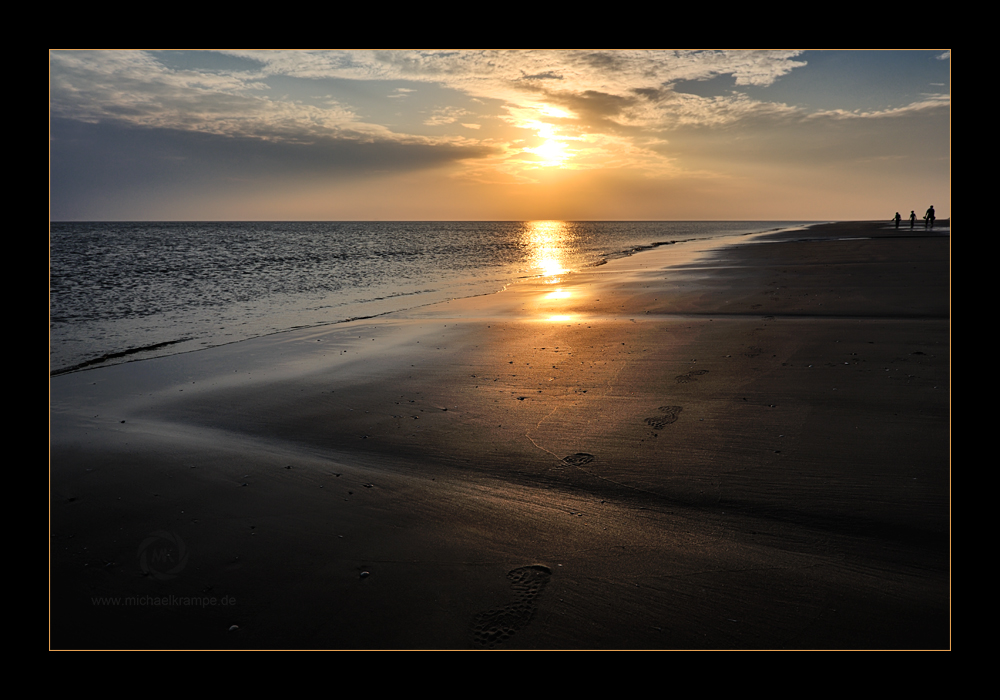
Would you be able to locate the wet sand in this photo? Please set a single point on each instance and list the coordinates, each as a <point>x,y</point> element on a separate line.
<point>741,449</point>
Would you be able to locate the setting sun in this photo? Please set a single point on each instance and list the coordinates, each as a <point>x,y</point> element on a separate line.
<point>553,153</point>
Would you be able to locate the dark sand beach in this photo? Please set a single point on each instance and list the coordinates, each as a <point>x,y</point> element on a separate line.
<point>739,449</point>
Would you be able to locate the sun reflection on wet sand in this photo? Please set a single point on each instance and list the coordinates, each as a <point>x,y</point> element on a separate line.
<point>552,306</point>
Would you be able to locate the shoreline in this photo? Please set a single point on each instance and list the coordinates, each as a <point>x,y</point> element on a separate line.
<point>749,449</point>
<point>183,336</point>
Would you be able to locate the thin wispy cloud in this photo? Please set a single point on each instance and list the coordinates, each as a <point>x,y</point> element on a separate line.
<point>929,102</point>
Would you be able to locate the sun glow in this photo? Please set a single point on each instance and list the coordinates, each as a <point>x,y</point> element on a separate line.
<point>550,111</point>
<point>553,151</point>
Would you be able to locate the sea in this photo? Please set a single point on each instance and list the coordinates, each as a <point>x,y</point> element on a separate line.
<point>126,291</point>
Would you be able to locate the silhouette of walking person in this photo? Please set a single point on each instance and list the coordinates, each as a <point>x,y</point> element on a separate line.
<point>897,218</point>
<point>929,217</point>
<point>913,218</point>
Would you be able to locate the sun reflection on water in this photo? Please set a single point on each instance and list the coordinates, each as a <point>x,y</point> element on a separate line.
<point>547,241</point>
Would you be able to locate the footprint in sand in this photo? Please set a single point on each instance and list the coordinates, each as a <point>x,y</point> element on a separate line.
<point>499,624</point>
<point>670,414</point>
<point>579,459</point>
<point>690,376</point>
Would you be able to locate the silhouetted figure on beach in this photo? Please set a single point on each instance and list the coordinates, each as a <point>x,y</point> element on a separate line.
<point>929,217</point>
<point>897,218</point>
<point>913,218</point>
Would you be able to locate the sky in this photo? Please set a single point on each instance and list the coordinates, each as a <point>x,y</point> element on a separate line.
<point>498,135</point>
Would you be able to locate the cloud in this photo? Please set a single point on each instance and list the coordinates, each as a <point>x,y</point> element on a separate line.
<point>142,89</point>
<point>446,115</point>
<point>927,103</point>
<point>138,89</point>
<point>135,88</point>
<point>547,75</point>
